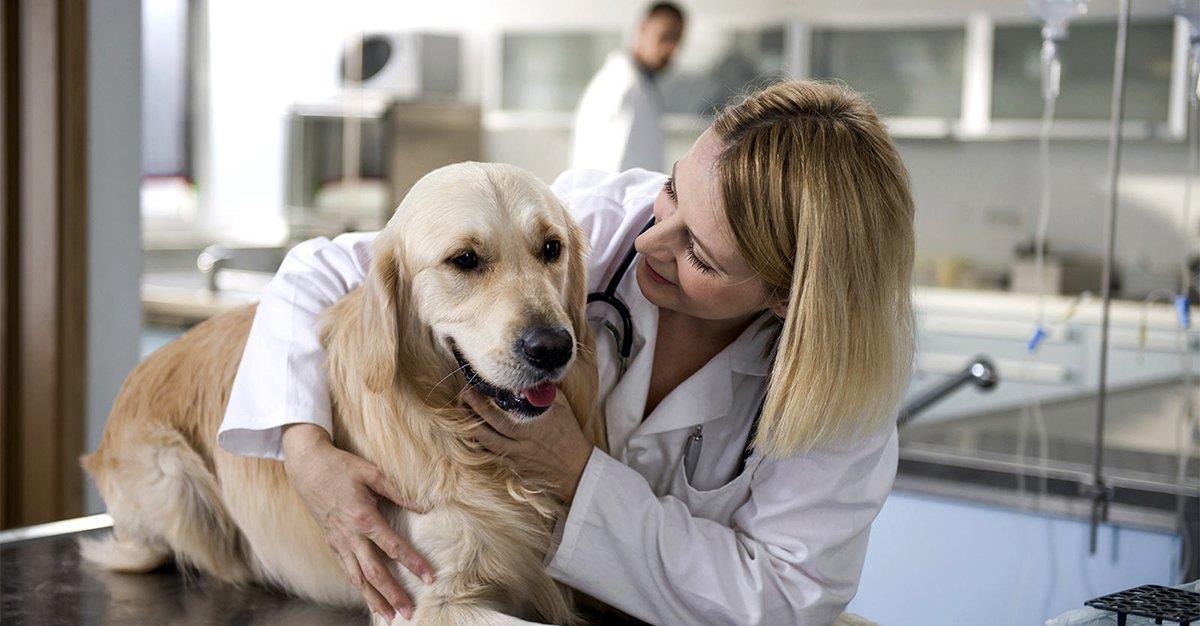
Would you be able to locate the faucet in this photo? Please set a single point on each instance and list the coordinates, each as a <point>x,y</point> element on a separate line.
<point>980,372</point>
<point>210,262</point>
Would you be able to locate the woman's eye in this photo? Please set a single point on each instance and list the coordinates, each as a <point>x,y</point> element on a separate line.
<point>466,261</point>
<point>551,249</point>
<point>669,187</point>
<point>696,262</point>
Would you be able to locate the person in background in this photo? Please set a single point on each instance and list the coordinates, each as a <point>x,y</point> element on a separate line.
<point>617,124</point>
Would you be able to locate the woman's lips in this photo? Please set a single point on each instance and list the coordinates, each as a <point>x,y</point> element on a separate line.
<point>655,276</point>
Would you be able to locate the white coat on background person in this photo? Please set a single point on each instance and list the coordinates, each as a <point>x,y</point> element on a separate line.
<point>781,542</point>
<point>618,122</point>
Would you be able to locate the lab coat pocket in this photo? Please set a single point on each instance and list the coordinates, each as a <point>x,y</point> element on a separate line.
<point>716,504</point>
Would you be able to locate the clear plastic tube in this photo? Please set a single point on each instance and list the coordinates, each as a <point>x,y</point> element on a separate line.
<point>1050,98</point>
<point>1187,428</point>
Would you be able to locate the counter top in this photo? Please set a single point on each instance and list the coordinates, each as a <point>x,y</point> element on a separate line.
<point>44,582</point>
<point>990,304</point>
<point>1001,457</point>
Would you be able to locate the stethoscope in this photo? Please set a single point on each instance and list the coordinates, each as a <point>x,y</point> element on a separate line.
<point>624,342</point>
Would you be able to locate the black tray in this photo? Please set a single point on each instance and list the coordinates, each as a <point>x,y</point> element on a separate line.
<point>1154,601</point>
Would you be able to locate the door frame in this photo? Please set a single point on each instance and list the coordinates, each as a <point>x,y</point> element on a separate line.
<point>43,258</point>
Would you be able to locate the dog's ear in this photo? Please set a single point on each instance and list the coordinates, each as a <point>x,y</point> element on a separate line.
<point>577,251</point>
<point>581,381</point>
<point>381,302</point>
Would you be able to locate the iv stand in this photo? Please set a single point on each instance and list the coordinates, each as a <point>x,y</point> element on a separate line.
<point>1099,491</point>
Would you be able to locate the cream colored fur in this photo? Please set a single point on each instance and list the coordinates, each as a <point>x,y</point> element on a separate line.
<point>394,383</point>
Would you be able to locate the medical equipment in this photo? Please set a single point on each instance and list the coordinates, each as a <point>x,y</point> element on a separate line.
<point>1099,491</point>
<point>1090,616</point>
<point>1189,11</point>
<point>691,452</point>
<point>1055,15</point>
<point>624,336</point>
<point>1154,601</point>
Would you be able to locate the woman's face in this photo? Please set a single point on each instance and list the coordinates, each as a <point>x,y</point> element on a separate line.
<point>690,262</point>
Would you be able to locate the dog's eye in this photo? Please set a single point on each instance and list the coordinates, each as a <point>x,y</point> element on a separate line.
<point>551,249</point>
<point>466,261</point>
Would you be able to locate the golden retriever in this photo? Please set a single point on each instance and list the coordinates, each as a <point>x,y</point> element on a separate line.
<point>478,278</point>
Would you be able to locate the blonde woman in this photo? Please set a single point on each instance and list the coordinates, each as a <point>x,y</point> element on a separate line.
<point>773,282</point>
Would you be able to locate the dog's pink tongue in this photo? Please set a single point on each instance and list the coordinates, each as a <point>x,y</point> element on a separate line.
<point>542,395</point>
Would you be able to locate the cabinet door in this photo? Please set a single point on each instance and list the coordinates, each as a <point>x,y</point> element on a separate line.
<point>904,72</point>
<point>1087,68</point>
<point>548,71</point>
<point>732,61</point>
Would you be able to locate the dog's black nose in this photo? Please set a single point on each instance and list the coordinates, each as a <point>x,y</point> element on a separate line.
<point>546,348</point>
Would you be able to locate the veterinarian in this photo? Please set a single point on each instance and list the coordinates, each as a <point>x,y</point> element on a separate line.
<point>774,281</point>
<point>618,122</point>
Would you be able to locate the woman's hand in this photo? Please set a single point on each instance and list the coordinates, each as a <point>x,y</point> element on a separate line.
<point>550,447</point>
<point>342,492</point>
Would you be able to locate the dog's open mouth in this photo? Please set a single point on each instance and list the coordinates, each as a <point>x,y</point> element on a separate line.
<point>531,402</point>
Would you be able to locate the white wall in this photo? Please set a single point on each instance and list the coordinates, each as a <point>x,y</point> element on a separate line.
<point>164,55</point>
<point>265,55</point>
<point>976,199</point>
<point>973,198</point>
<point>114,233</point>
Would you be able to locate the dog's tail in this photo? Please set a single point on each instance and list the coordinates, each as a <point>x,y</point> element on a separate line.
<point>113,552</point>
<point>165,503</point>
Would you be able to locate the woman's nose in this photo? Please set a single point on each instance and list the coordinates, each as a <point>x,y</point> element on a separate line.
<point>654,243</point>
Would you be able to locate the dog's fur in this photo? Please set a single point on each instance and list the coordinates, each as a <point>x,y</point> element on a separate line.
<point>394,385</point>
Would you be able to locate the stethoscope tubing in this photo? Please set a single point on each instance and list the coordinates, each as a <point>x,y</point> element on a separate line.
<point>624,341</point>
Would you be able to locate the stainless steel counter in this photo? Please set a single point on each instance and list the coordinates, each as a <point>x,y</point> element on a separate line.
<point>43,581</point>
<point>997,458</point>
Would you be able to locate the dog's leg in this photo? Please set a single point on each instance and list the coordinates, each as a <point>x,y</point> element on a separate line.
<point>118,552</point>
<point>163,499</point>
<point>432,614</point>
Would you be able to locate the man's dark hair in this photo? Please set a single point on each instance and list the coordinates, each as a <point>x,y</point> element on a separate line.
<point>669,8</point>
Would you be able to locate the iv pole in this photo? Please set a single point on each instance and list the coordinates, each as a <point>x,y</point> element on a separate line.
<point>1100,492</point>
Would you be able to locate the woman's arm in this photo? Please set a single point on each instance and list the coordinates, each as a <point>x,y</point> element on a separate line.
<point>792,555</point>
<point>279,408</point>
<point>281,379</point>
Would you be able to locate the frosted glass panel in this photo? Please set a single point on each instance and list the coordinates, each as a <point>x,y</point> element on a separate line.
<point>549,71</point>
<point>1087,65</point>
<point>913,72</point>
<point>731,61</point>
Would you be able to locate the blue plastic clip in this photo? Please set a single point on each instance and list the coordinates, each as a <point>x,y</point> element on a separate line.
<point>1182,307</point>
<point>1036,340</point>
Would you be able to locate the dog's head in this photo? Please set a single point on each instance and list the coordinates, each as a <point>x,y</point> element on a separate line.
<point>484,260</point>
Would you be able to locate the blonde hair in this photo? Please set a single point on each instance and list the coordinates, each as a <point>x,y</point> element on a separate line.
<point>820,206</point>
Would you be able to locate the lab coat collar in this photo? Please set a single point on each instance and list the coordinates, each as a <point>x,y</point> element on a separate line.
<point>707,395</point>
<point>747,357</point>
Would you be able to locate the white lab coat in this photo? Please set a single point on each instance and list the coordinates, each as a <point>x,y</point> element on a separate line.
<point>617,124</point>
<point>783,542</point>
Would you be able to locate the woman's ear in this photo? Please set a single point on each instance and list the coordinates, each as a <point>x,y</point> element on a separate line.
<point>380,311</point>
<point>779,308</point>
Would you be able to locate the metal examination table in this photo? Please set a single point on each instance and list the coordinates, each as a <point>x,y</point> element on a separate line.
<point>43,581</point>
